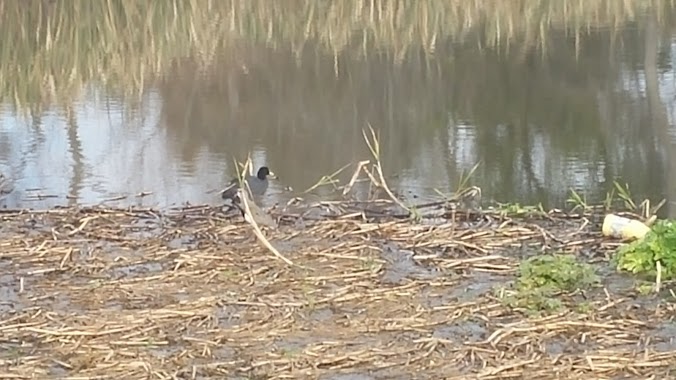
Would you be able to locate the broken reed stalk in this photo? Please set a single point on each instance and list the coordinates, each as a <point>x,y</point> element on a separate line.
<point>244,196</point>
<point>374,147</point>
<point>355,175</point>
<point>327,180</point>
<point>246,167</point>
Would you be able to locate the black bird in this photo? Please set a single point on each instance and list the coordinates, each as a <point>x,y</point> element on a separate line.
<point>258,184</point>
<point>256,214</point>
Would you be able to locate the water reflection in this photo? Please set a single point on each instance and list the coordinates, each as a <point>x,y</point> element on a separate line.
<point>587,110</point>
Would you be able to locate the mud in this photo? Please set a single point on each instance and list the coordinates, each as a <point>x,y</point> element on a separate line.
<point>373,299</point>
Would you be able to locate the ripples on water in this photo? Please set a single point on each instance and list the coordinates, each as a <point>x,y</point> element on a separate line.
<point>538,125</point>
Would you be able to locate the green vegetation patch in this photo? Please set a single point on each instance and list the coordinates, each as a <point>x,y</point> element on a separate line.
<point>643,255</point>
<point>542,278</point>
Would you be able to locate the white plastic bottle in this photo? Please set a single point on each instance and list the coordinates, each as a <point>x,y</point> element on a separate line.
<point>623,228</point>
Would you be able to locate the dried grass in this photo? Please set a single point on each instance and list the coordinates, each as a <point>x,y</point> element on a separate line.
<point>53,49</point>
<point>190,293</point>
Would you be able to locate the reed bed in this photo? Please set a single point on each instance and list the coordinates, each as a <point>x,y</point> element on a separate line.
<point>54,49</point>
<point>192,293</point>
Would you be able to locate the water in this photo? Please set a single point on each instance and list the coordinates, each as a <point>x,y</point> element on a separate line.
<point>592,105</point>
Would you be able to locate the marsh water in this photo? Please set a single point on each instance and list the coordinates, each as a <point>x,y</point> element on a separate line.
<point>103,102</point>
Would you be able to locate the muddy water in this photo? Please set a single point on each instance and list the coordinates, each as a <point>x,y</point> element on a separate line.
<point>587,108</point>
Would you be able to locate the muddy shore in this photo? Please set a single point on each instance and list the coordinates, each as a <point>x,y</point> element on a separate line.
<point>191,293</point>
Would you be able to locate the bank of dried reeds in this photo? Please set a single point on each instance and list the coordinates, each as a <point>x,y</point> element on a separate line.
<point>54,49</point>
<point>192,293</point>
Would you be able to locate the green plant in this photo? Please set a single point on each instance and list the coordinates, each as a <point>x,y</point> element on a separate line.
<point>463,191</point>
<point>463,180</point>
<point>555,273</point>
<point>541,278</point>
<point>608,201</point>
<point>415,215</point>
<point>579,201</point>
<point>653,255</point>
<point>645,288</point>
<point>516,210</point>
<point>625,195</point>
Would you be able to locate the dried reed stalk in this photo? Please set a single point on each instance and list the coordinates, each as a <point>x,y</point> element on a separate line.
<point>142,293</point>
<point>245,198</point>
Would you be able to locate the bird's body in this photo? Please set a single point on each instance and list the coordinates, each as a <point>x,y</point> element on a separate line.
<point>252,213</point>
<point>258,184</point>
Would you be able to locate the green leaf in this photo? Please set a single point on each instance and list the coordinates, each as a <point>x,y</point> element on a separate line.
<point>641,256</point>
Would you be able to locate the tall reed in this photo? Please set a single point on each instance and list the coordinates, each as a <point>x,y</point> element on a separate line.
<point>52,48</point>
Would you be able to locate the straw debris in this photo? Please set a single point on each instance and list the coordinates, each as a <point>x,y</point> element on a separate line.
<point>192,293</point>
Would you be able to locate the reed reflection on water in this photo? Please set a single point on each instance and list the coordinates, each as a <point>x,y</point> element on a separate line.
<point>165,107</point>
